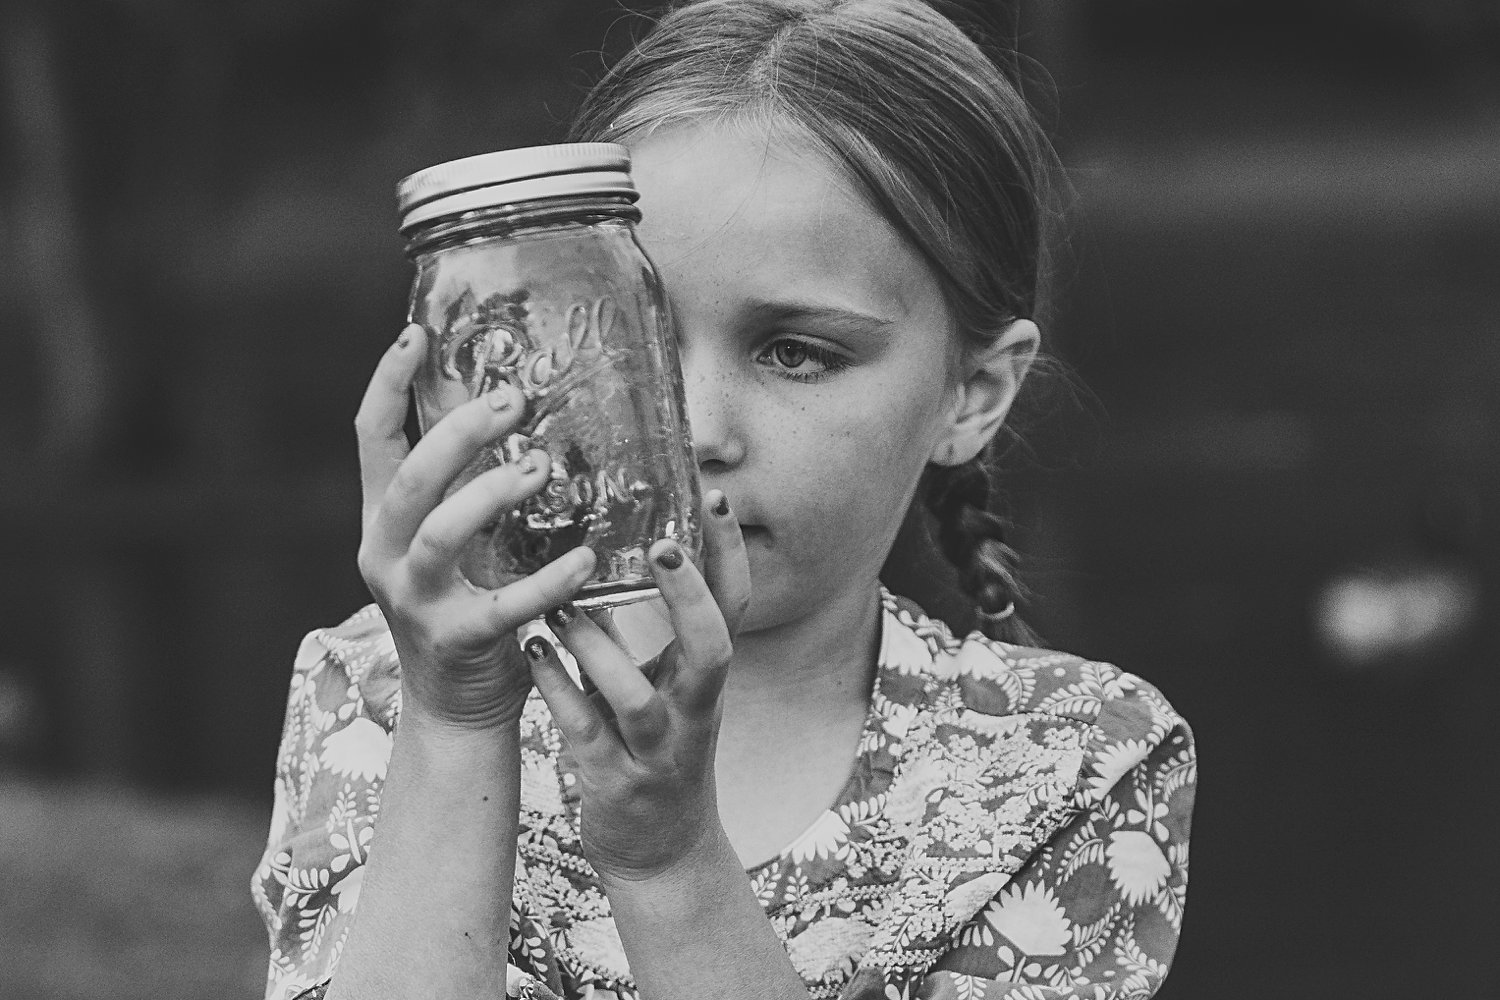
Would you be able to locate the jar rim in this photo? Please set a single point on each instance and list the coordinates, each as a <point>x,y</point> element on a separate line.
<point>488,221</point>
<point>514,175</point>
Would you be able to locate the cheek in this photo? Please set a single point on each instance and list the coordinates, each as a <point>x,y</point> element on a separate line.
<point>837,468</point>
<point>849,473</point>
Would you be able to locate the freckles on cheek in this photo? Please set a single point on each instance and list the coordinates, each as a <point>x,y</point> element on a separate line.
<point>855,477</point>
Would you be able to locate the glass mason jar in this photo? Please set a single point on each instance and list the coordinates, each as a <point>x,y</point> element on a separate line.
<point>528,272</point>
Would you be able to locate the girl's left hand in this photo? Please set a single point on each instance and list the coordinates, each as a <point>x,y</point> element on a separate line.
<point>645,740</point>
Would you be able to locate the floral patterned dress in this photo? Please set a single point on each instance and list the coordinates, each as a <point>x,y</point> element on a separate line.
<point>1015,828</point>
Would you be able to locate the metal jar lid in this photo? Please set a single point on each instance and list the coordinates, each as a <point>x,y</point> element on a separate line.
<point>514,175</point>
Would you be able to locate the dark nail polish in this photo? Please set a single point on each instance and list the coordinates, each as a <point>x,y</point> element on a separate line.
<point>403,341</point>
<point>536,648</point>
<point>670,559</point>
<point>560,618</point>
<point>722,507</point>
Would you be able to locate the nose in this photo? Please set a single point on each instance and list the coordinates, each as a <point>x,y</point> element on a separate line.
<point>709,389</point>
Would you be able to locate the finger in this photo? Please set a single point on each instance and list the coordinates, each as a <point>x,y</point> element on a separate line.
<point>580,722</point>
<point>500,612</point>
<point>639,711</point>
<point>426,474</point>
<point>726,563</point>
<point>605,619</point>
<point>379,426</point>
<point>703,644</point>
<point>450,528</point>
<point>608,621</point>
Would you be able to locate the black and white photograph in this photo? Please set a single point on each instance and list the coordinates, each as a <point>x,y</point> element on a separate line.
<point>749,499</point>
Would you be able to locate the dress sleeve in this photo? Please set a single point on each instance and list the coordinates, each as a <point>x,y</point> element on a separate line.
<point>335,743</point>
<point>1096,913</point>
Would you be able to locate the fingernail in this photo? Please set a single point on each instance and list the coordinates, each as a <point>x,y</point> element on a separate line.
<point>670,558</point>
<point>499,400</point>
<point>536,648</point>
<point>528,464</point>
<point>722,507</point>
<point>404,341</point>
<point>561,618</point>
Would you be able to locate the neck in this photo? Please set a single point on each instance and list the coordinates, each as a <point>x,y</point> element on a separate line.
<point>809,664</point>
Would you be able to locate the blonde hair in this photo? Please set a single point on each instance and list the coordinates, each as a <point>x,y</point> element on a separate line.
<point>941,141</point>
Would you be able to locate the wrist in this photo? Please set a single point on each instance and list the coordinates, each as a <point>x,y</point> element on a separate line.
<point>442,717</point>
<point>441,743</point>
<point>480,694</point>
<point>708,861</point>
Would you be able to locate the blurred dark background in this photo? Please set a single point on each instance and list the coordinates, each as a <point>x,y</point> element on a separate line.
<point>1276,497</point>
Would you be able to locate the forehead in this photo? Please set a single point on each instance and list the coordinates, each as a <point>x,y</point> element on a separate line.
<point>731,211</point>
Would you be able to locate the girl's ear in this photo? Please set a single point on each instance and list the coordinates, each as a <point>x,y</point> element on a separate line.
<point>989,385</point>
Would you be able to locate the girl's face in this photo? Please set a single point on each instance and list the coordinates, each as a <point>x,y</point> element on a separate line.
<point>816,349</point>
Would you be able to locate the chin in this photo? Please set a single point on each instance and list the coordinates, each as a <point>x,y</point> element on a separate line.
<point>771,603</point>
<point>766,612</point>
<point>779,596</point>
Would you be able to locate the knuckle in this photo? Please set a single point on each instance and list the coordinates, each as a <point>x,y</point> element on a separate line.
<point>719,653</point>
<point>638,703</point>
<point>590,728</point>
<point>364,424</point>
<point>427,544</point>
<point>404,481</point>
<point>372,571</point>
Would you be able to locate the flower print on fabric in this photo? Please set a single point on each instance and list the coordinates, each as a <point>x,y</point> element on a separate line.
<point>334,748</point>
<point>1030,920</point>
<point>360,750</point>
<point>1015,828</point>
<point>1136,865</point>
<point>827,838</point>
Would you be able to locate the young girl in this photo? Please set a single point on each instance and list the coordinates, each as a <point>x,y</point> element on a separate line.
<point>812,790</point>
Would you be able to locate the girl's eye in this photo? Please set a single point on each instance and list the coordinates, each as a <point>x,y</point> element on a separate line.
<point>789,354</point>
<point>803,361</point>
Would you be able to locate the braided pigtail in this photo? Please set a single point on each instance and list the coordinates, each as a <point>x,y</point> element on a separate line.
<point>972,538</point>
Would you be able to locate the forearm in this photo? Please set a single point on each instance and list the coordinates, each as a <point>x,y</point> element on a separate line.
<point>700,932</point>
<point>434,910</point>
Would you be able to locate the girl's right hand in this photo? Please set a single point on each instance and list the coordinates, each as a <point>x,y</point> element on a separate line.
<point>459,658</point>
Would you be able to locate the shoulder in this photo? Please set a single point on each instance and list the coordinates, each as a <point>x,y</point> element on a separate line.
<point>1008,756</point>
<point>352,661</point>
<point>974,678</point>
<point>342,708</point>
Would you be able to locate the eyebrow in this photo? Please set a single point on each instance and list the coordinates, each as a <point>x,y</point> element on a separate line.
<point>840,317</point>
